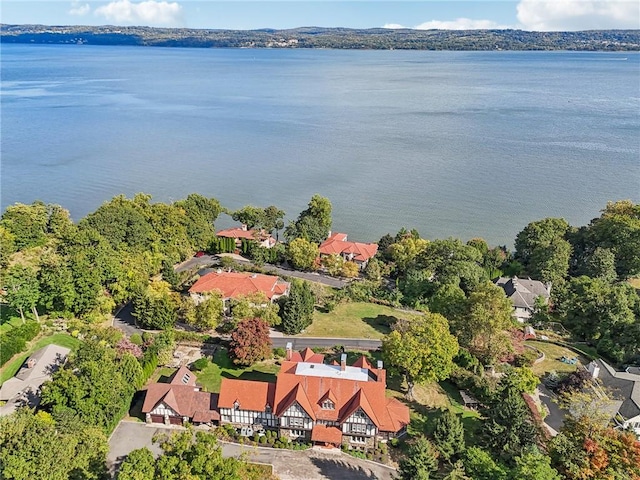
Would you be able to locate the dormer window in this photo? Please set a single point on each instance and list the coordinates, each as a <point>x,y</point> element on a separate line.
<point>328,405</point>
<point>236,405</point>
<point>267,408</point>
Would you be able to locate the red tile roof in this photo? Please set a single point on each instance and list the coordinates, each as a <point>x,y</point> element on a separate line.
<point>322,433</point>
<point>251,395</point>
<point>307,355</point>
<point>248,234</point>
<point>337,244</point>
<point>309,391</point>
<point>362,362</point>
<point>236,284</point>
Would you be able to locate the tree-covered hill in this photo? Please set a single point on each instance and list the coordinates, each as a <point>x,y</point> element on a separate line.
<point>318,37</point>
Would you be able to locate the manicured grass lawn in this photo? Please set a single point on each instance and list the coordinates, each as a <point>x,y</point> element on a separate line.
<point>222,366</point>
<point>553,355</point>
<point>10,318</point>
<point>354,320</point>
<point>62,339</point>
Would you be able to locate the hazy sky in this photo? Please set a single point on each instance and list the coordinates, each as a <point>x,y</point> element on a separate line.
<point>252,14</point>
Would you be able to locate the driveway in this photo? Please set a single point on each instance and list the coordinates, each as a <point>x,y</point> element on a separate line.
<point>123,319</point>
<point>555,419</point>
<point>314,464</point>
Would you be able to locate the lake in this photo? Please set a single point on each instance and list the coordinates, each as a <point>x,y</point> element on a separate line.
<point>460,144</point>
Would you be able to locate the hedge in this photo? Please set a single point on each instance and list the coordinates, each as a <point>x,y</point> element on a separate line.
<point>15,340</point>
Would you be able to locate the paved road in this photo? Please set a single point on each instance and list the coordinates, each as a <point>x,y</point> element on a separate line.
<point>125,321</point>
<point>209,260</point>
<point>314,464</point>
<point>303,342</point>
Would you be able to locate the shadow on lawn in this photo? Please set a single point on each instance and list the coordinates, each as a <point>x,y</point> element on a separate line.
<point>381,323</point>
<point>258,376</point>
<point>337,468</point>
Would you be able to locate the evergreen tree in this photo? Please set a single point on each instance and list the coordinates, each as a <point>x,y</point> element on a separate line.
<point>509,430</point>
<point>448,435</point>
<point>297,308</point>
<point>420,462</point>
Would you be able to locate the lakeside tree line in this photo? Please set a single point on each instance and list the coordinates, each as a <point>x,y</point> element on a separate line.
<point>318,37</point>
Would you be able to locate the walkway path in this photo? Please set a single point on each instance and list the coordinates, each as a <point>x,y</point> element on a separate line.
<point>314,464</point>
<point>303,342</point>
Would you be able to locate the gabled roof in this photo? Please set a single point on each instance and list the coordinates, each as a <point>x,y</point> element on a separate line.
<point>307,355</point>
<point>625,386</point>
<point>237,284</point>
<point>395,416</point>
<point>248,234</point>
<point>185,400</point>
<point>362,362</point>
<point>183,376</point>
<point>337,244</point>
<point>251,395</point>
<point>523,292</point>
<point>359,401</point>
<point>297,395</point>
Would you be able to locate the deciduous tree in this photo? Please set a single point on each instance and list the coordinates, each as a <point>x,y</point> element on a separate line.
<point>314,223</point>
<point>421,349</point>
<point>250,342</point>
<point>302,254</point>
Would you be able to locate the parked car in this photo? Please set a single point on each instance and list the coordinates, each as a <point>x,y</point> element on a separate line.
<point>199,254</point>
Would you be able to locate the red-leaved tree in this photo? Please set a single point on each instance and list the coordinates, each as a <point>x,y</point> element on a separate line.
<point>250,342</point>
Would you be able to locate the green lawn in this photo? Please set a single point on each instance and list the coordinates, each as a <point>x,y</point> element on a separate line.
<point>10,318</point>
<point>222,366</point>
<point>354,320</point>
<point>553,354</point>
<point>62,339</point>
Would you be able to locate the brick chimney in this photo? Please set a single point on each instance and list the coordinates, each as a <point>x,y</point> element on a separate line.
<point>381,373</point>
<point>343,362</point>
<point>289,351</point>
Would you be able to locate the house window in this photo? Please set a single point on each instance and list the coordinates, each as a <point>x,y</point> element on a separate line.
<point>296,422</point>
<point>297,433</point>
<point>185,378</point>
<point>267,408</point>
<point>328,405</point>
<point>236,405</point>
<point>358,428</point>
<point>358,440</point>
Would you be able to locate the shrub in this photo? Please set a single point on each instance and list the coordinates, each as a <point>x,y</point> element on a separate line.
<point>262,439</point>
<point>136,339</point>
<point>394,442</point>
<point>200,364</point>
<point>279,352</point>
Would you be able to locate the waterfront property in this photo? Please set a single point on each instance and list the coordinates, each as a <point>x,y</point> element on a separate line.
<point>24,387</point>
<point>261,237</point>
<point>337,244</point>
<point>312,401</point>
<point>238,284</point>
<point>523,293</point>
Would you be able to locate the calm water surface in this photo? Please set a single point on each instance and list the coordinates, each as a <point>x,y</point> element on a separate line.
<point>453,143</point>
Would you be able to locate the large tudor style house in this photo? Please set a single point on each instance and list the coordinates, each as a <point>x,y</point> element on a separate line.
<point>337,244</point>
<point>311,401</point>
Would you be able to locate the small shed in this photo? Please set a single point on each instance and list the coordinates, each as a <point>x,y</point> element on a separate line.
<point>469,400</point>
<point>529,332</point>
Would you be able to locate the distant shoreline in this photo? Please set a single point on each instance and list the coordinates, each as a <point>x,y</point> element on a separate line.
<point>328,38</point>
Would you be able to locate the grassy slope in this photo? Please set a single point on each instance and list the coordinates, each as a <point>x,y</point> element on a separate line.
<point>553,354</point>
<point>354,320</point>
<point>62,339</point>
